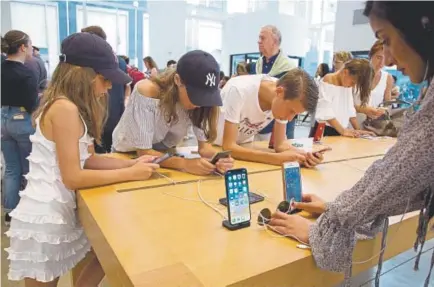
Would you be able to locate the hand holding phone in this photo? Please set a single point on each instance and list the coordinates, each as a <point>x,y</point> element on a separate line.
<point>219,155</point>
<point>162,158</point>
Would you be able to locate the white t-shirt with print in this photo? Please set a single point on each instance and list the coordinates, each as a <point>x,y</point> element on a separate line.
<point>335,102</point>
<point>240,98</point>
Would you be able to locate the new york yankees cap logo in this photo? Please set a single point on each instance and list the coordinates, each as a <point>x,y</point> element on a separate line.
<point>200,73</point>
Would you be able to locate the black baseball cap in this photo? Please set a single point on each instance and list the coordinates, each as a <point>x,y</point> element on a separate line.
<point>90,50</point>
<point>200,73</point>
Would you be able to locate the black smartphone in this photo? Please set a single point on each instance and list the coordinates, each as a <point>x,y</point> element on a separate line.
<point>162,158</point>
<point>219,155</point>
<point>237,194</point>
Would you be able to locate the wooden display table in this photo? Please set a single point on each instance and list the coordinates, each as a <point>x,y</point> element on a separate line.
<point>149,237</point>
<point>344,148</point>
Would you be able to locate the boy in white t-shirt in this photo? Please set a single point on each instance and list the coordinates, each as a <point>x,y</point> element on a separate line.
<point>251,102</point>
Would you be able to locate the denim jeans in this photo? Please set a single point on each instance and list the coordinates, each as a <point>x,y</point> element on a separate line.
<point>16,147</point>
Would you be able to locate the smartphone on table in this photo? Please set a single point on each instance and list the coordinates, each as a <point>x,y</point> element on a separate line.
<point>292,183</point>
<point>219,155</point>
<point>237,194</point>
<point>162,158</point>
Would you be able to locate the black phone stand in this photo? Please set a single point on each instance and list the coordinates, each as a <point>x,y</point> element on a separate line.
<point>226,224</point>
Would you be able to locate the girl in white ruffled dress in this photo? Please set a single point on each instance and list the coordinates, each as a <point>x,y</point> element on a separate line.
<point>46,237</point>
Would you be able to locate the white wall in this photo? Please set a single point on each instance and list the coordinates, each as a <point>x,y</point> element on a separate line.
<point>241,33</point>
<point>5,8</point>
<point>349,37</point>
<point>167,30</point>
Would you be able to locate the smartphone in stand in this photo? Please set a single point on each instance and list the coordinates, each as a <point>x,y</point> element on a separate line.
<point>291,183</point>
<point>237,194</point>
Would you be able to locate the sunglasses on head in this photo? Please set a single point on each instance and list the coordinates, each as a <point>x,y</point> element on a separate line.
<point>264,216</point>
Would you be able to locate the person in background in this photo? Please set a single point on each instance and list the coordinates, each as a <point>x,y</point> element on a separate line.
<point>151,67</point>
<point>242,69</point>
<point>223,82</point>
<point>19,95</point>
<point>46,237</point>
<point>118,95</point>
<point>275,63</point>
<point>336,103</point>
<point>402,181</point>
<point>381,87</point>
<point>251,102</point>
<point>340,58</point>
<point>126,59</point>
<point>222,76</point>
<point>395,90</point>
<point>36,64</point>
<point>322,70</point>
<point>251,68</point>
<point>163,108</point>
<point>170,64</point>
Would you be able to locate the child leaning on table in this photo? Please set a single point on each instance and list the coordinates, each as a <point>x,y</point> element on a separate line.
<point>47,239</point>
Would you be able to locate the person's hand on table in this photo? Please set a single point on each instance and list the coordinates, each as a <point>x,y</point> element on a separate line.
<point>368,133</point>
<point>142,171</point>
<point>291,225</point>
<point>145,159</point>
<point>350,133</point>
<point>313,159</point>
<point>224,164</point>
<point>199,166</point>
<point>291,155</point>
<point>311,203</point>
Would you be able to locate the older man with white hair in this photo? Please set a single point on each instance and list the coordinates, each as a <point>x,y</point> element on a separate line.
<point>275,63</point>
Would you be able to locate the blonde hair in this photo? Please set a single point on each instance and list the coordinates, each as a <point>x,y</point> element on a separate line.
<point>343,56</point>
<point>76,84</point>
<point>363,72</point>
<point>204,118</point>
<point>241,67</point>
<point>377,47</point>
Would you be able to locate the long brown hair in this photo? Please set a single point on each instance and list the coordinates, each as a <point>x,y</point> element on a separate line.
<point>151,62</point>
<point>363,72</point>
<point>77,84</point>
<point>204,118</point>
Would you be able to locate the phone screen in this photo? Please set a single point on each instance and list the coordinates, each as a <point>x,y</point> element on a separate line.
<point>237,194</point>
<point>292,181</point>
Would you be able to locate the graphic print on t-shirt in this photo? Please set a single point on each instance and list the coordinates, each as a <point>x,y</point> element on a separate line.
<point>247,128</point>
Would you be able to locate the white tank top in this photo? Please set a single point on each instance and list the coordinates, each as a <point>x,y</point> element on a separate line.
<point>377,94</point>
<point>44,178</point>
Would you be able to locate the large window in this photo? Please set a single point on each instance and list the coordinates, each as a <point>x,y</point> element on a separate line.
<point>216,4</point>
<point>146,49</point>
<point>114,23</point>
<point>204,35</point>
<point>42,27</point>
